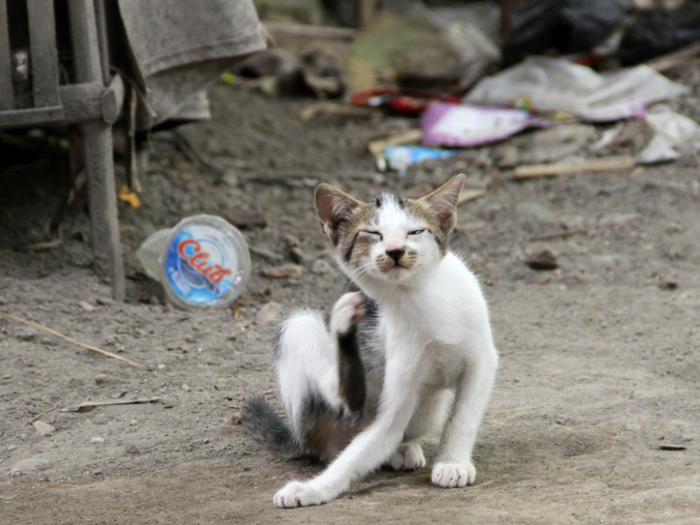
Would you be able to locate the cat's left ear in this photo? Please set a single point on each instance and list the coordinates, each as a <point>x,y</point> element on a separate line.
<point>443,202</point>
<point>333,206</point>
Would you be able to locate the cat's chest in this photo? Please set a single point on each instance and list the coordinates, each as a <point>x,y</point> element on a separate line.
<point>444,365</point>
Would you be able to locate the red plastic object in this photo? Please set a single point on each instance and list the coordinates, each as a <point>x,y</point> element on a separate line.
<point>409,102</point>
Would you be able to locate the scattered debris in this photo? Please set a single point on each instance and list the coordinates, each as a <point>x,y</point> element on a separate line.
<point>464,125</point>
<point>555,84</point>
<point>470,194</point>
<point>287,270</point>
<point>401,157</point>
<point>130,197</point>
<point>543,260</point>
<point>323,109</point>
<point>557,142</point>
<point>44,429</point>
<point>89,405</point>
<point>602,164</point>
<point>86,306</point>
<point>557,235</point>
<point>104,379</point>
<point>418,50</point>
<point>471,227</point>
<point>410,136</point>
<point>118,394</point>
<point>674,136</point>
<point>314,72</point>
<point>406,102</point>
<point>672,447</point>
<point>54,332</point>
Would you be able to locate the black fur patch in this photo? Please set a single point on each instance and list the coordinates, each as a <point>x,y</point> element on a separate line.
<point>351,374</point>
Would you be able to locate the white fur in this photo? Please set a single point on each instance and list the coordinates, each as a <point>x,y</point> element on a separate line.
<point>436,338</point>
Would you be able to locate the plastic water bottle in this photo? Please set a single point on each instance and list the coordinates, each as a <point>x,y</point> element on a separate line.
<point>203,262</point>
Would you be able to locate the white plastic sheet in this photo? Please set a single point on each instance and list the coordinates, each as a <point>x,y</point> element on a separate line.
<point>551,84</point>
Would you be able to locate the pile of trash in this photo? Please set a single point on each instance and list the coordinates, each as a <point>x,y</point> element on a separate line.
<point>481,72</point>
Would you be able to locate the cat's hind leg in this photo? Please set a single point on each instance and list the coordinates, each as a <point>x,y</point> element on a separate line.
<point>320,376</point>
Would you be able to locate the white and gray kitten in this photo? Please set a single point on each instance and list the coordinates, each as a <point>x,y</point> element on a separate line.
<point>410,348</point>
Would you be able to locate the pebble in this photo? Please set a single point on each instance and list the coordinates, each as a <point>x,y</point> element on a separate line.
<point>133,449</point>
<point>186,387</point>
<point>543,260</point>
<point>44,429</point>
<point>104,379</point>
<point>287,270</point>
<point>29,465</point>
<point>11,447</point>
<point>97,439</point>
<point>86,306</point>
<point>24,436</point>
<point>269,313</point>
<point>118,393</point>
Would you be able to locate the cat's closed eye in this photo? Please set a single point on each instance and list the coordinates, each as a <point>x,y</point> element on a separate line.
<point>373,233</point>
<point>416,232</point>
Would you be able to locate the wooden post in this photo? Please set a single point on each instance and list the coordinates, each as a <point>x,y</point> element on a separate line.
<point>7,99</point>
<point>97,143</point>
<point>44,56</point>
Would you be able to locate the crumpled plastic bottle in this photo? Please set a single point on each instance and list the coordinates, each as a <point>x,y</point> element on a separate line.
<point>203,262</point>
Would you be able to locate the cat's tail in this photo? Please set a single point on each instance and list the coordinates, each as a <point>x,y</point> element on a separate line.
<point>268,429</point>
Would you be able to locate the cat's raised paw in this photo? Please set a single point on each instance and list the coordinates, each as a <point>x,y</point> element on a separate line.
<point>409,456</point>
<point>450,475</point>
<point>346,312</point>
<point>297,494</point>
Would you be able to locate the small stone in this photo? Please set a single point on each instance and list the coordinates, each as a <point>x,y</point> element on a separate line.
<point>118,394</point>
<point>132,422</point>
<point>29,465</point>
<point>133,449</point>
<point>104,379</point>
<point>24,436</point>
<point>86,306</point>
<point>186,387</point>
<point>97,440</point>
<point>103,301</point>
<point>543,260</point>
<point>320,267</point>
<point>44,429</point>
<point>11,447</point>
<point>287,270</point>
<point>269,313</point>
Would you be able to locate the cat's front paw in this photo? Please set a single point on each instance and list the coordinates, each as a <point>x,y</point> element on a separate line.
<point>450,475</point>
<point>409,456</point>
<point>346,312</point>
<point>297,494</point>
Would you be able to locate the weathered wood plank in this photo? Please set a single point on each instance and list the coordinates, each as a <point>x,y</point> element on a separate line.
<point>29,117</point>
<point>7,99</point>
<point>44,56</point>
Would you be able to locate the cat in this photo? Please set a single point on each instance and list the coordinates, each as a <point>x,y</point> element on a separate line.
<point>410,350</point>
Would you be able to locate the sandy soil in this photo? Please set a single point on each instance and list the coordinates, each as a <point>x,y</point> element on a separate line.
<point>600,358</point>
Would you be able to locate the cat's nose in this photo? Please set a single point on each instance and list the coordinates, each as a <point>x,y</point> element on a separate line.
<point>396,254</point>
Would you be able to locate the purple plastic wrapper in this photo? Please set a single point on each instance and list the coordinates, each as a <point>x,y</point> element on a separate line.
<point>464,125</point>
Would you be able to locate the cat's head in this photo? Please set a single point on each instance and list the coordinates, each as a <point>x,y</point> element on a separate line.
<point>389,237</point>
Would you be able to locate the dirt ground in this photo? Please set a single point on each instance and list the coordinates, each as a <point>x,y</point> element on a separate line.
<point>600,358</point>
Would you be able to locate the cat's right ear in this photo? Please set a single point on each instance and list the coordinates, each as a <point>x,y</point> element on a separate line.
<point>332,207</point>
